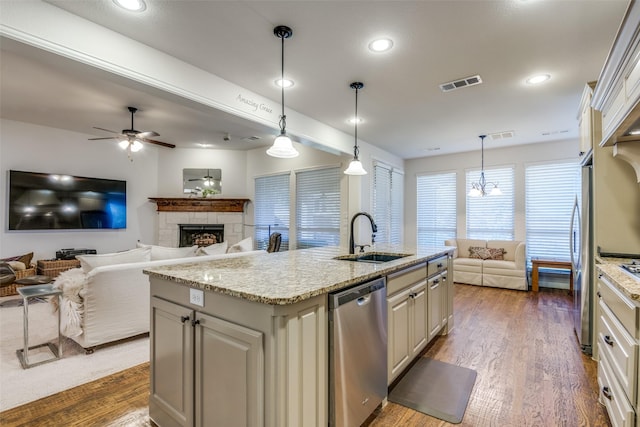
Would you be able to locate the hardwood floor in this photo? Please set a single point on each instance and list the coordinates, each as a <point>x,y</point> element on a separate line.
<point>530,372</point>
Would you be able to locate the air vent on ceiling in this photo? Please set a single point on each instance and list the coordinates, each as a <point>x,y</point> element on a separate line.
<point>497,136</point>
<point>457,84</point>
<point>554,132</point>
<point>251,138</point>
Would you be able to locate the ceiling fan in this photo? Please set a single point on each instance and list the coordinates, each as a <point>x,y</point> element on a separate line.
<point>208,180</point>
<point>132,139</point>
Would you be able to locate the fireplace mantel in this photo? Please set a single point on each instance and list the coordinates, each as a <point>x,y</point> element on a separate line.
<point>199,204</point>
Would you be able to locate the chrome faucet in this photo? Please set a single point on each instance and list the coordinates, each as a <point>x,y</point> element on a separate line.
<point>374,229</point>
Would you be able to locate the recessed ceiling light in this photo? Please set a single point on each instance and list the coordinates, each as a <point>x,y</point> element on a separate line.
<point>284,83</point>
<point>381,45</point>
<point>131,5</point>
<point>539,78</point>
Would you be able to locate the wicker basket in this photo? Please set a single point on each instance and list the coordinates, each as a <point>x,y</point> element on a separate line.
<point>53,267</point>
<point>12,289</point>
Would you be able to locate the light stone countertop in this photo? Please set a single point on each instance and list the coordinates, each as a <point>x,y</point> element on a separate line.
<point>628,284</point>
<point>288,277</point>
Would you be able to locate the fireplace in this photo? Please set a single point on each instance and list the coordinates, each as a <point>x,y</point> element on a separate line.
<point>200,234</point>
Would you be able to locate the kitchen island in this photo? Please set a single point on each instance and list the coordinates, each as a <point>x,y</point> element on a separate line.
<point>244,341</point>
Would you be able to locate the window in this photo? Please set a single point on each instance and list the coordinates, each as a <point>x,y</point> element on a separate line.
<point>387,202</point>
<point>436,208</point>
<point>271,210</point>
<point>318,208</point>
<point>491,217</point>
<point>551,191</point>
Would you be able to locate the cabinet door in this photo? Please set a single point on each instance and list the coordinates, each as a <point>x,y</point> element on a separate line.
<point>434,289</point>
<point>447,295</point>
<point>399,337</point>
<point>171,394</point>
<point>419,321</point>
<point>233,355</point>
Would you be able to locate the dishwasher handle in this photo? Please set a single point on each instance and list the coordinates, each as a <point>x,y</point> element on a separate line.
<point>360,292</point>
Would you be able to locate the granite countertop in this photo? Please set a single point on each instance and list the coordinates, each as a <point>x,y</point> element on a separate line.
<point>610,267</point>
<point>283,278</point>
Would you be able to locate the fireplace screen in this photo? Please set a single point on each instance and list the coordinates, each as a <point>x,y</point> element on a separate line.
<point>201,234</point>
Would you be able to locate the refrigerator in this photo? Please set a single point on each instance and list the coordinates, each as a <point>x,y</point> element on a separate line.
<point>582,260</point>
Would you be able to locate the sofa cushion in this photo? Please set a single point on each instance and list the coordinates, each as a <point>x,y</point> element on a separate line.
<point>509,247</point>
<point>499,264</point>
<point>89,262</point>
<point>215,249</point>
<point>245,245</point>
<point>165,252</point>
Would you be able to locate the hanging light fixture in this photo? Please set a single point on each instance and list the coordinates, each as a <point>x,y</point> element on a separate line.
<point>282,146</point>
<point>355,167</point>
<point>478,189</point>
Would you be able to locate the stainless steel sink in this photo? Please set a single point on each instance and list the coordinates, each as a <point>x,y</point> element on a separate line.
<point>372,257</point>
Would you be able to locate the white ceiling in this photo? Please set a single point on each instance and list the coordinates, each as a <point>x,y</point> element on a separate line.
<point>403,108</point>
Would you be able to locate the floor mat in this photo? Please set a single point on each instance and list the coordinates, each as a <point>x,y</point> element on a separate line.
<point>435,388</point>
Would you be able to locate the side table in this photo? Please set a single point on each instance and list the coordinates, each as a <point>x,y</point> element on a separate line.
<point>549,263</point>
<point>38,291</point>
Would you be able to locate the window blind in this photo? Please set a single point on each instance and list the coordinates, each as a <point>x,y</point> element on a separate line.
<point>387,202</point>
<point>436,208</point>
<point>551,191</point>
<point>271,210</point>
<point>318,208</point>
<point>491,217</point>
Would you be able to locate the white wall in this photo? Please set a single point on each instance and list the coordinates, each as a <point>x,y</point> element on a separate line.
<point>34,148</point>
<point>517,156</point>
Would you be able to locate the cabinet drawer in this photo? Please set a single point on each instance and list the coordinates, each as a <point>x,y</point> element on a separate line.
<point>436,265</point>
<point>407,277</point>
<point>621,350</point>
<point>621,306</point>
<point>612,397</point>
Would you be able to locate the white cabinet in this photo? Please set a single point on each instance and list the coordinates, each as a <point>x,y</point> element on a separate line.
<point>407,323</point>
<point>435,286</point>
<point>193,354</point>
<point>618,334</point>
<point>589,121</point>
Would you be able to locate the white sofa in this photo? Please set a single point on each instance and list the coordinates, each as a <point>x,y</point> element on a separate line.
<point>509,273</point>
<point>111,302</point>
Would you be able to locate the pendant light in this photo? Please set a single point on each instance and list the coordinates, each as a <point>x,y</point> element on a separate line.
<point>282,146</point>
<point>478,188</point>
<point>355,167</point>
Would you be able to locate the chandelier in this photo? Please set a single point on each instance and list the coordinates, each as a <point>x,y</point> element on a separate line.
<point>478,189</point>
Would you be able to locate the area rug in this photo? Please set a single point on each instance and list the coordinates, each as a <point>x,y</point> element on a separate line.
<point>19,386</point>
<point>435,388</point>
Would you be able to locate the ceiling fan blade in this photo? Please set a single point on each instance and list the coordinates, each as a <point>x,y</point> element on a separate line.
<point>106,130</point>
<point>107,137</point>
<point>196,179</point>
<point>148,134</point>
<point>162,144</point>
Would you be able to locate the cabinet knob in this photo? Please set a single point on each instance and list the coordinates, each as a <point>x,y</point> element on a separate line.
<point>195,322</point>
<point>184,318</point>
<point>439,265</point>
<point>606,392</point>
<point>608,340</point>
<point>600,276</point>
<point>599,294</point>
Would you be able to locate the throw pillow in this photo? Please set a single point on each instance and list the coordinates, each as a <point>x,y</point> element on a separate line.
<point>164,252</point>
<point>478,252</point>
<point>89,262</point>
<point>245,245</point>
<point>25,259</point>
<point>496,253</point>
<point>215,249</point>
<point>17,265</point>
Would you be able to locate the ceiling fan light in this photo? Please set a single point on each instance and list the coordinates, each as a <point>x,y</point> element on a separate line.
<point>283,148</point>
<point>136,146</point>
<point>355,168</point>
<point>124,144</point>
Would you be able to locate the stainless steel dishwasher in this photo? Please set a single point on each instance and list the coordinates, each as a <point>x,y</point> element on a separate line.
<point>357,352</point>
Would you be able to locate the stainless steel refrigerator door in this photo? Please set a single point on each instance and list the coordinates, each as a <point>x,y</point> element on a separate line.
<point>582,263</point>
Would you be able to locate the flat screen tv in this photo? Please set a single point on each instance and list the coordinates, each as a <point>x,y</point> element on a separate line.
<point>48,201</point>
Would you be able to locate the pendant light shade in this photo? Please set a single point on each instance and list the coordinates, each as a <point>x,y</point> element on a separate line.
<point>282,146</point>
<point>355,167</point>
<point>478,189</point>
